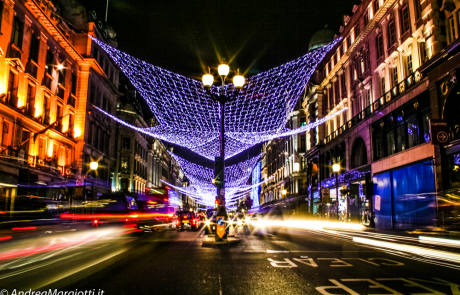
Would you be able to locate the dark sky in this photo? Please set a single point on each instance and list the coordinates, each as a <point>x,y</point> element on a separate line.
<point>187,36</point>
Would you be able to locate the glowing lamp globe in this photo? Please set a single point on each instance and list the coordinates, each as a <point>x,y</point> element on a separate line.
<point>93,165</point>
<point>208,79</point>
<point>336,167</point>
<point>223,70</point>
<point>238,81</point>
<point>283,192</point>
<point>60,67</point>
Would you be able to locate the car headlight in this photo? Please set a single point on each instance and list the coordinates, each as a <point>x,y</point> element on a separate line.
<point>208,222</point>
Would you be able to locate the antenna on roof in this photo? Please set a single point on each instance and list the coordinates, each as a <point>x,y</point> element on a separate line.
<point>106,11</point>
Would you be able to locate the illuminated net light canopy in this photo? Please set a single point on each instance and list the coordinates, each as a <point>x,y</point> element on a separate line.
<point>189,117</point>
<point>201,187</point>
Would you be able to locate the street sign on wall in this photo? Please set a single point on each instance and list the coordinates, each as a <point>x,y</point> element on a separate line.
<point>439,131</point>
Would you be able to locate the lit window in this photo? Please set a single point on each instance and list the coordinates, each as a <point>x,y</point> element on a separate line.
<point>409,65</point>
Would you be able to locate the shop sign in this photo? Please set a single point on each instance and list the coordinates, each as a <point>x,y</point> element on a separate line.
<point>439,131</point>
<point>377,202</point>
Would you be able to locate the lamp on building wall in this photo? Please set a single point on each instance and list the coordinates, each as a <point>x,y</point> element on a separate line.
<point>93,165</point>
<point>336,169</point>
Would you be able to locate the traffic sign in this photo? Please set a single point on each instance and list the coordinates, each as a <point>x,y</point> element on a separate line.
<point>220,230</point>
<point>439,131</point>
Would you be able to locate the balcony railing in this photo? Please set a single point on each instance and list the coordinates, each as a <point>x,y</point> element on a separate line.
<point>379,103</point>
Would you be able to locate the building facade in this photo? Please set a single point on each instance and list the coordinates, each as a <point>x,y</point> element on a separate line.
<point>40,71</point>
<point>273,171</point>
<point>132,147</point>
<point>385,132</point>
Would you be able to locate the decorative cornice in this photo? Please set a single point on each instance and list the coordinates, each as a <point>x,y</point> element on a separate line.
<point>43,36</point>
<point>406,47</point>
<point>418,34</point>
<point>392,60</point>
<point>60,38</point>
<point>27,21</point>
<point>381,69</point>
<point>10,3</point>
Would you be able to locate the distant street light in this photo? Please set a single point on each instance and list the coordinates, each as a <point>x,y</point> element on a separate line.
<point>284,192</point>
<point>336,169</point>
<point>93,166</point>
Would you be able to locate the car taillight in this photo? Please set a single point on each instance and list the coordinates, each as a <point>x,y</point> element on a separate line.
<point>194,221</point>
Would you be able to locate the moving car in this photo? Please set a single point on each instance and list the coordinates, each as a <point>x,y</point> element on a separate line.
<point>187,220</point>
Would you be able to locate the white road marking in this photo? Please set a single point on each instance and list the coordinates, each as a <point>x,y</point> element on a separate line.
<point>277,251</point>
<point>220,286</point>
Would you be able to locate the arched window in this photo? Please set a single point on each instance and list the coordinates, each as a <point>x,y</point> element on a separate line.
<point>358,153</point>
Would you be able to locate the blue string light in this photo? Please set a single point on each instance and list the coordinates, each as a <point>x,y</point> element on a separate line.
<point>189,117</point>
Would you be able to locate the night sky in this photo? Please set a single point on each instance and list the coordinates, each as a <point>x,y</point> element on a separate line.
<point>188,36</point>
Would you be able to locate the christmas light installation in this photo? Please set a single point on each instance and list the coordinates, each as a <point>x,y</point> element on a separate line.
<point>236,175</point>
<point>255,191</point>
<point>201,188</point>
<point>344,177</point>
<point>206,143</point>
<point>188,116</point>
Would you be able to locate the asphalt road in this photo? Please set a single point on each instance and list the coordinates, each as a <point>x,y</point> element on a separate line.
<point>285,261</point>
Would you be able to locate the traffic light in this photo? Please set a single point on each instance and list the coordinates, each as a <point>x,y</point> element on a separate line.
<point>217,204</point>
<point>219,171</point>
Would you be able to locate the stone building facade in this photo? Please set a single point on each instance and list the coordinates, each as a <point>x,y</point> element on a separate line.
<point>40,92</point>
<point>385,133</point>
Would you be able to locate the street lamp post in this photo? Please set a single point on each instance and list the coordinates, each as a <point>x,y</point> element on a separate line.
<point>336,169</point>
<point>222,98</point>
<point>93,166</point>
